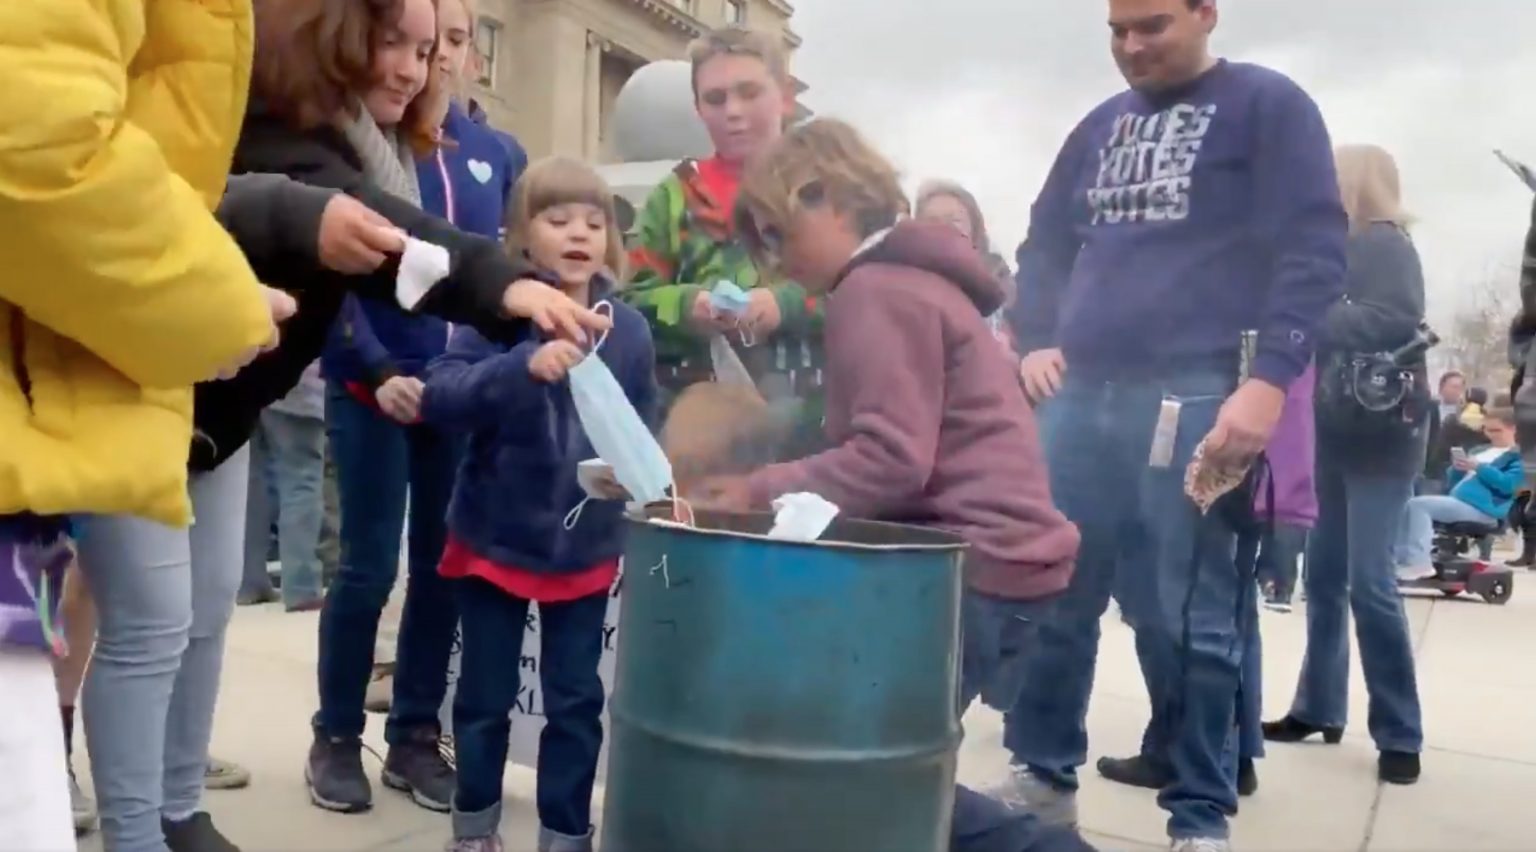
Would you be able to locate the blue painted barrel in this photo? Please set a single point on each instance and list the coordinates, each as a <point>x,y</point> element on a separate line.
<point>776,696</point>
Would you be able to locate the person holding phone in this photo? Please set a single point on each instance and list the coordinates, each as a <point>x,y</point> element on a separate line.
<point>1482,484</point>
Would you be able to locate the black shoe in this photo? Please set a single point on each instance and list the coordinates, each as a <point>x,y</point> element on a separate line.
<point>1527,557</point>
<point>1292,730</point>
<point>1138,771</point>
<point>1398,767</point>
<point>195,834</point>
<point>1247,777</point>
<point>335,777</point>
<point>416,766</point>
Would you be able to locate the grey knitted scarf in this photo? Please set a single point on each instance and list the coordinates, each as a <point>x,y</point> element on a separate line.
<point>387,160</point>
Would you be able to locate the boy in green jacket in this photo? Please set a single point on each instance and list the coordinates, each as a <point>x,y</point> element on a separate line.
<point>685,244</point>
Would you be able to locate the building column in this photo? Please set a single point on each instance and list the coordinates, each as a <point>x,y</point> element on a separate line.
<point>592,98</point>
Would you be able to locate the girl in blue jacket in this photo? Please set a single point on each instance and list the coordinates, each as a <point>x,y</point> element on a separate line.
<point>521,529</point>
<point>383,449</point>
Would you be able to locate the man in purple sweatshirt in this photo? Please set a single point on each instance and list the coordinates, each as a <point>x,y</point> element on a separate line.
<point>1196,206</point>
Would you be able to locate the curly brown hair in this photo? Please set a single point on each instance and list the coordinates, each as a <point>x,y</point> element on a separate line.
<point>823,160</point>
<point>314,57</point>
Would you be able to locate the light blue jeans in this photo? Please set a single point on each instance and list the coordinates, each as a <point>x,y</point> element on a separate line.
<point>1417,537</point>
<point>291,451</point>
<point>1349,570</point>
<point>164,597</point>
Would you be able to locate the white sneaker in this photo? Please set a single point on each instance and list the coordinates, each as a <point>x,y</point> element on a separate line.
<point>1410,574</point>
<point>1201,844</point>
<point>1028,793</point>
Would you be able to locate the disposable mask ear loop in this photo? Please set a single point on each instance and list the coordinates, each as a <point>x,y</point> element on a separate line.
<point>682,510</point>
<point>598,309</point>
<point>748,339</point>
<point>573,517</point>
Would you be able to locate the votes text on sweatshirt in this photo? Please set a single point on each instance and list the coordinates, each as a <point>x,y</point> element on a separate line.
<point>1172,223</point>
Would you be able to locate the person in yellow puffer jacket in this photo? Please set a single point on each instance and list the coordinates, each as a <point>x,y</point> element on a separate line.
<point>119,289</point>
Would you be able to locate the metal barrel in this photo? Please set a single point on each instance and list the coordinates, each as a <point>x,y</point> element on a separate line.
<point>775,696</point>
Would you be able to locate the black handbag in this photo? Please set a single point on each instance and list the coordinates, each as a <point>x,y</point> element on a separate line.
<point>1377,395</point>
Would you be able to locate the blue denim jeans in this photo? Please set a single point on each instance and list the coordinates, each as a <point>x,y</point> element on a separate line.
<point>164,597</point>
<point>995,635</point>
<point>1349,569</point>
<point>377,462</point>
<point>571,644</point>
<point>1098,447</point>
<point>1416,534</point>
<point>986,825</point>
<point>287,458</point>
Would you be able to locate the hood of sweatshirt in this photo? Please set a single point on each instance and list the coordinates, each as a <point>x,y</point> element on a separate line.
<point>938,248</point>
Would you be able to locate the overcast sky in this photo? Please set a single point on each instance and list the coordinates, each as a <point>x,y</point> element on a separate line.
<point>984,91</point>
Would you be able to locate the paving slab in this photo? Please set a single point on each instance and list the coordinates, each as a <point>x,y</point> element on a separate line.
<point>1475,677</point>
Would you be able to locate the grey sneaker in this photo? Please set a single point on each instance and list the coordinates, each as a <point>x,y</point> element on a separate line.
<point>474,844</point>
<point>416,767</point>
<point>225,775</point>
<point>1027,792</point>
<point>554,841</point>
<point>82,807</point>
<point>1200,844</point>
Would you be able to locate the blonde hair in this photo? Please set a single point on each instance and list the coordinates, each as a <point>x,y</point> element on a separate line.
<point>737,40</point>
<point>1369,186</point>
<point>821,161</point>
<point>931,189</point>
<point>554,181</point>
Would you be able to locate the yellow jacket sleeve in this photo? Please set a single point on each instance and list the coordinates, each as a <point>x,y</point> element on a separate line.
<point>102,240</point>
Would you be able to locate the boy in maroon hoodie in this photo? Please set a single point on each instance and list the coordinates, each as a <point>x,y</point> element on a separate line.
<point>925,415</point>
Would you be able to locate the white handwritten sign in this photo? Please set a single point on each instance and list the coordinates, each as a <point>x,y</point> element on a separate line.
<point>528,712</point>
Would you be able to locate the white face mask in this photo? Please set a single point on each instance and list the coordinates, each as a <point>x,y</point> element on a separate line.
<point>615,429</point>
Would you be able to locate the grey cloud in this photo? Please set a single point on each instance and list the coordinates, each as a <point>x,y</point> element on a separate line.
<point>983,91</point>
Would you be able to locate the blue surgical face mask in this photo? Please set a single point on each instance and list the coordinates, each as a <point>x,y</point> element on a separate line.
<point>728,298</point>
<point>616,430</point>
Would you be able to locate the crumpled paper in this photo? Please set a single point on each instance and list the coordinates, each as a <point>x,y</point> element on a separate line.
<point>1207,481</point>
<point>801,517</point>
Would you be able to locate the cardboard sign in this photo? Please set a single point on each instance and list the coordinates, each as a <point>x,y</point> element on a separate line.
<point>528,712</point>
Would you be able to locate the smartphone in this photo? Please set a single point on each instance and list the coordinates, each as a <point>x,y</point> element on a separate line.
<point>1458,454</point>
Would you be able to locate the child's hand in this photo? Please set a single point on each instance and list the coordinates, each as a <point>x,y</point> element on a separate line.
<point>553,360</point>
<point>706,320</point>
<point>762,317</point>
<point>400,399</point>
<point>606,486</point>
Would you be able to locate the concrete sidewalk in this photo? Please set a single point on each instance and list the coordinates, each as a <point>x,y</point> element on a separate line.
<point>1475,676</point>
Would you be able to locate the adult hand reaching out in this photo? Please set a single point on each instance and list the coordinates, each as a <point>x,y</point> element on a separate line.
<point>552,311</point>
<point>400,399</point>
<point>354,239</point>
